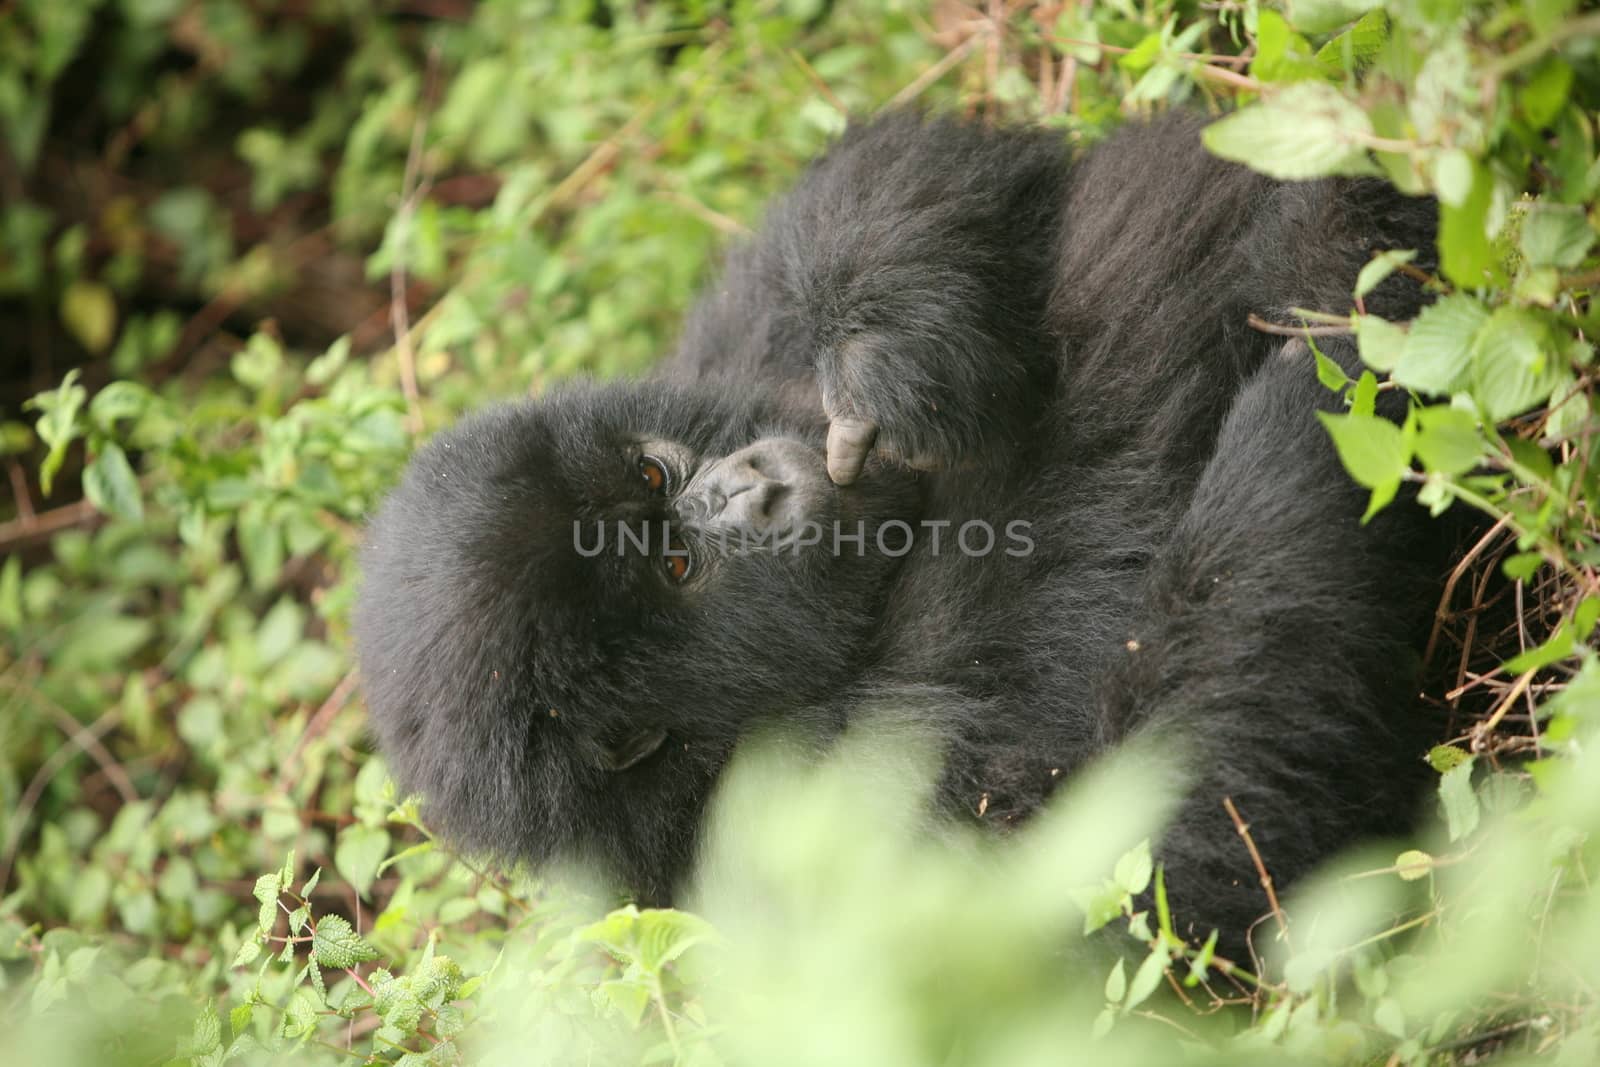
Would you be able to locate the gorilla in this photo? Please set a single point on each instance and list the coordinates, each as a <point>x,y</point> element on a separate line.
<point>973,430</point>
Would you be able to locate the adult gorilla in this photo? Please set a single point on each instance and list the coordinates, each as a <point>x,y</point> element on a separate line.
<point>944,329</point>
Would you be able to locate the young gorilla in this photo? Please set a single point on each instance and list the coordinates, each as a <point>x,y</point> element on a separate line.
<point>942,323</point>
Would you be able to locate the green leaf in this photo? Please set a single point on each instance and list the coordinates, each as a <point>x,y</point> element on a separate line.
<point>1117,983</point>
<point>1555,235</point>
<point>1372,449</point>
<point>1437,357</point>
<point>664,934</point>
<point>1448,439</point>
<point>266,891</point>
<point>1452,176</point>
<point>1133,869</point>
<point>336,944</point>
<point>1561,644</point>
<point>1146,979</point>
<point>1329,373</point>
<point>1460,803</point>
<point>1545,93</point>
<point>1443,758</point>
<point>1466,255</point>
<point>58,425</point>
<point>1381,342</point>
<point>90,313</point>
<point>1390,1017</point>
<point>1381,266</point>
<point>1413,864</point>
<point>1351,50</point>
<point>627,996</point>
<point>1306,130</point>
<point>1511,367</point>
<point>207,1033</point>
<point>111,485</point>
<point>360,852</point>
<point>249,951</point>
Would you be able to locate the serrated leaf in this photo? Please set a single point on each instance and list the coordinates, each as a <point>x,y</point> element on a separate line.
<point>1306,130</point>
<point>1437,357</point>
<point>664,934</point>
<point>1444,758</point>
<point>1381,342</point>
<point>207,1032</point>
<point>1350,50</point>
<point>249,951</point>
<point>336,944</point>
<point>1512,369</point>
<point>1555,235</point>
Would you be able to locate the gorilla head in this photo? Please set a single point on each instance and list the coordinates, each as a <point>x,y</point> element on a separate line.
<point>573,607</point>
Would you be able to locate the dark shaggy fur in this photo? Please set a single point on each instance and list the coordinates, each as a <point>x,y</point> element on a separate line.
<point>1060,344</point>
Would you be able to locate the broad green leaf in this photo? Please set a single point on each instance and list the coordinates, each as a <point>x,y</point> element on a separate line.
<point>1381,342</point>
<point>1512,368</point>
<point>1352,49</point>
<point>336,944</point>
<point>664,934</point>
<point>360,852</point>
<point>1448,439</point>
<point>1466,255</point>
<point>1305,130</point>
<point>1555,235</point>
<point>1437,357</point>
<point>1371,448</point>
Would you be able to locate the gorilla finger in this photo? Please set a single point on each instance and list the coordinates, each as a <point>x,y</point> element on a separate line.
<point>849,441</point>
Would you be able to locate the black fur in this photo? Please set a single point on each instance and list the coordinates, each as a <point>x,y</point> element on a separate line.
<point>1065,344</point>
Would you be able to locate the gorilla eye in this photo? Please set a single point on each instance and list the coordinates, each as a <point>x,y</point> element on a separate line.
<point>676,562</point>
<point>655,474</point>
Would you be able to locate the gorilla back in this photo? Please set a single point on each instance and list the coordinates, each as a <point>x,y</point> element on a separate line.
<point>967,430</point>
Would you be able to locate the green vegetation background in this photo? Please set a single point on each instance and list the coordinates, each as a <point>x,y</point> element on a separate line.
<point>251,252</point>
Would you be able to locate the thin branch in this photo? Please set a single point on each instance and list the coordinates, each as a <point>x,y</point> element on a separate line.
<point>1261,868</point>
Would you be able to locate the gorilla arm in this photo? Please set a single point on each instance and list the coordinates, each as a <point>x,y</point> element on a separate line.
<point>1276,652</point>
<point>905,277</point>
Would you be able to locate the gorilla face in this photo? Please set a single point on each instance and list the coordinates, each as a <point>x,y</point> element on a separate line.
<point>561,596</point>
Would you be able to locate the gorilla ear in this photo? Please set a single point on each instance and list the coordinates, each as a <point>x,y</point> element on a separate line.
<point>630,749</point>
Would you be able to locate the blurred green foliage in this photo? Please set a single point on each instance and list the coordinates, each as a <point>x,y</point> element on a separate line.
<point>252,251</point>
